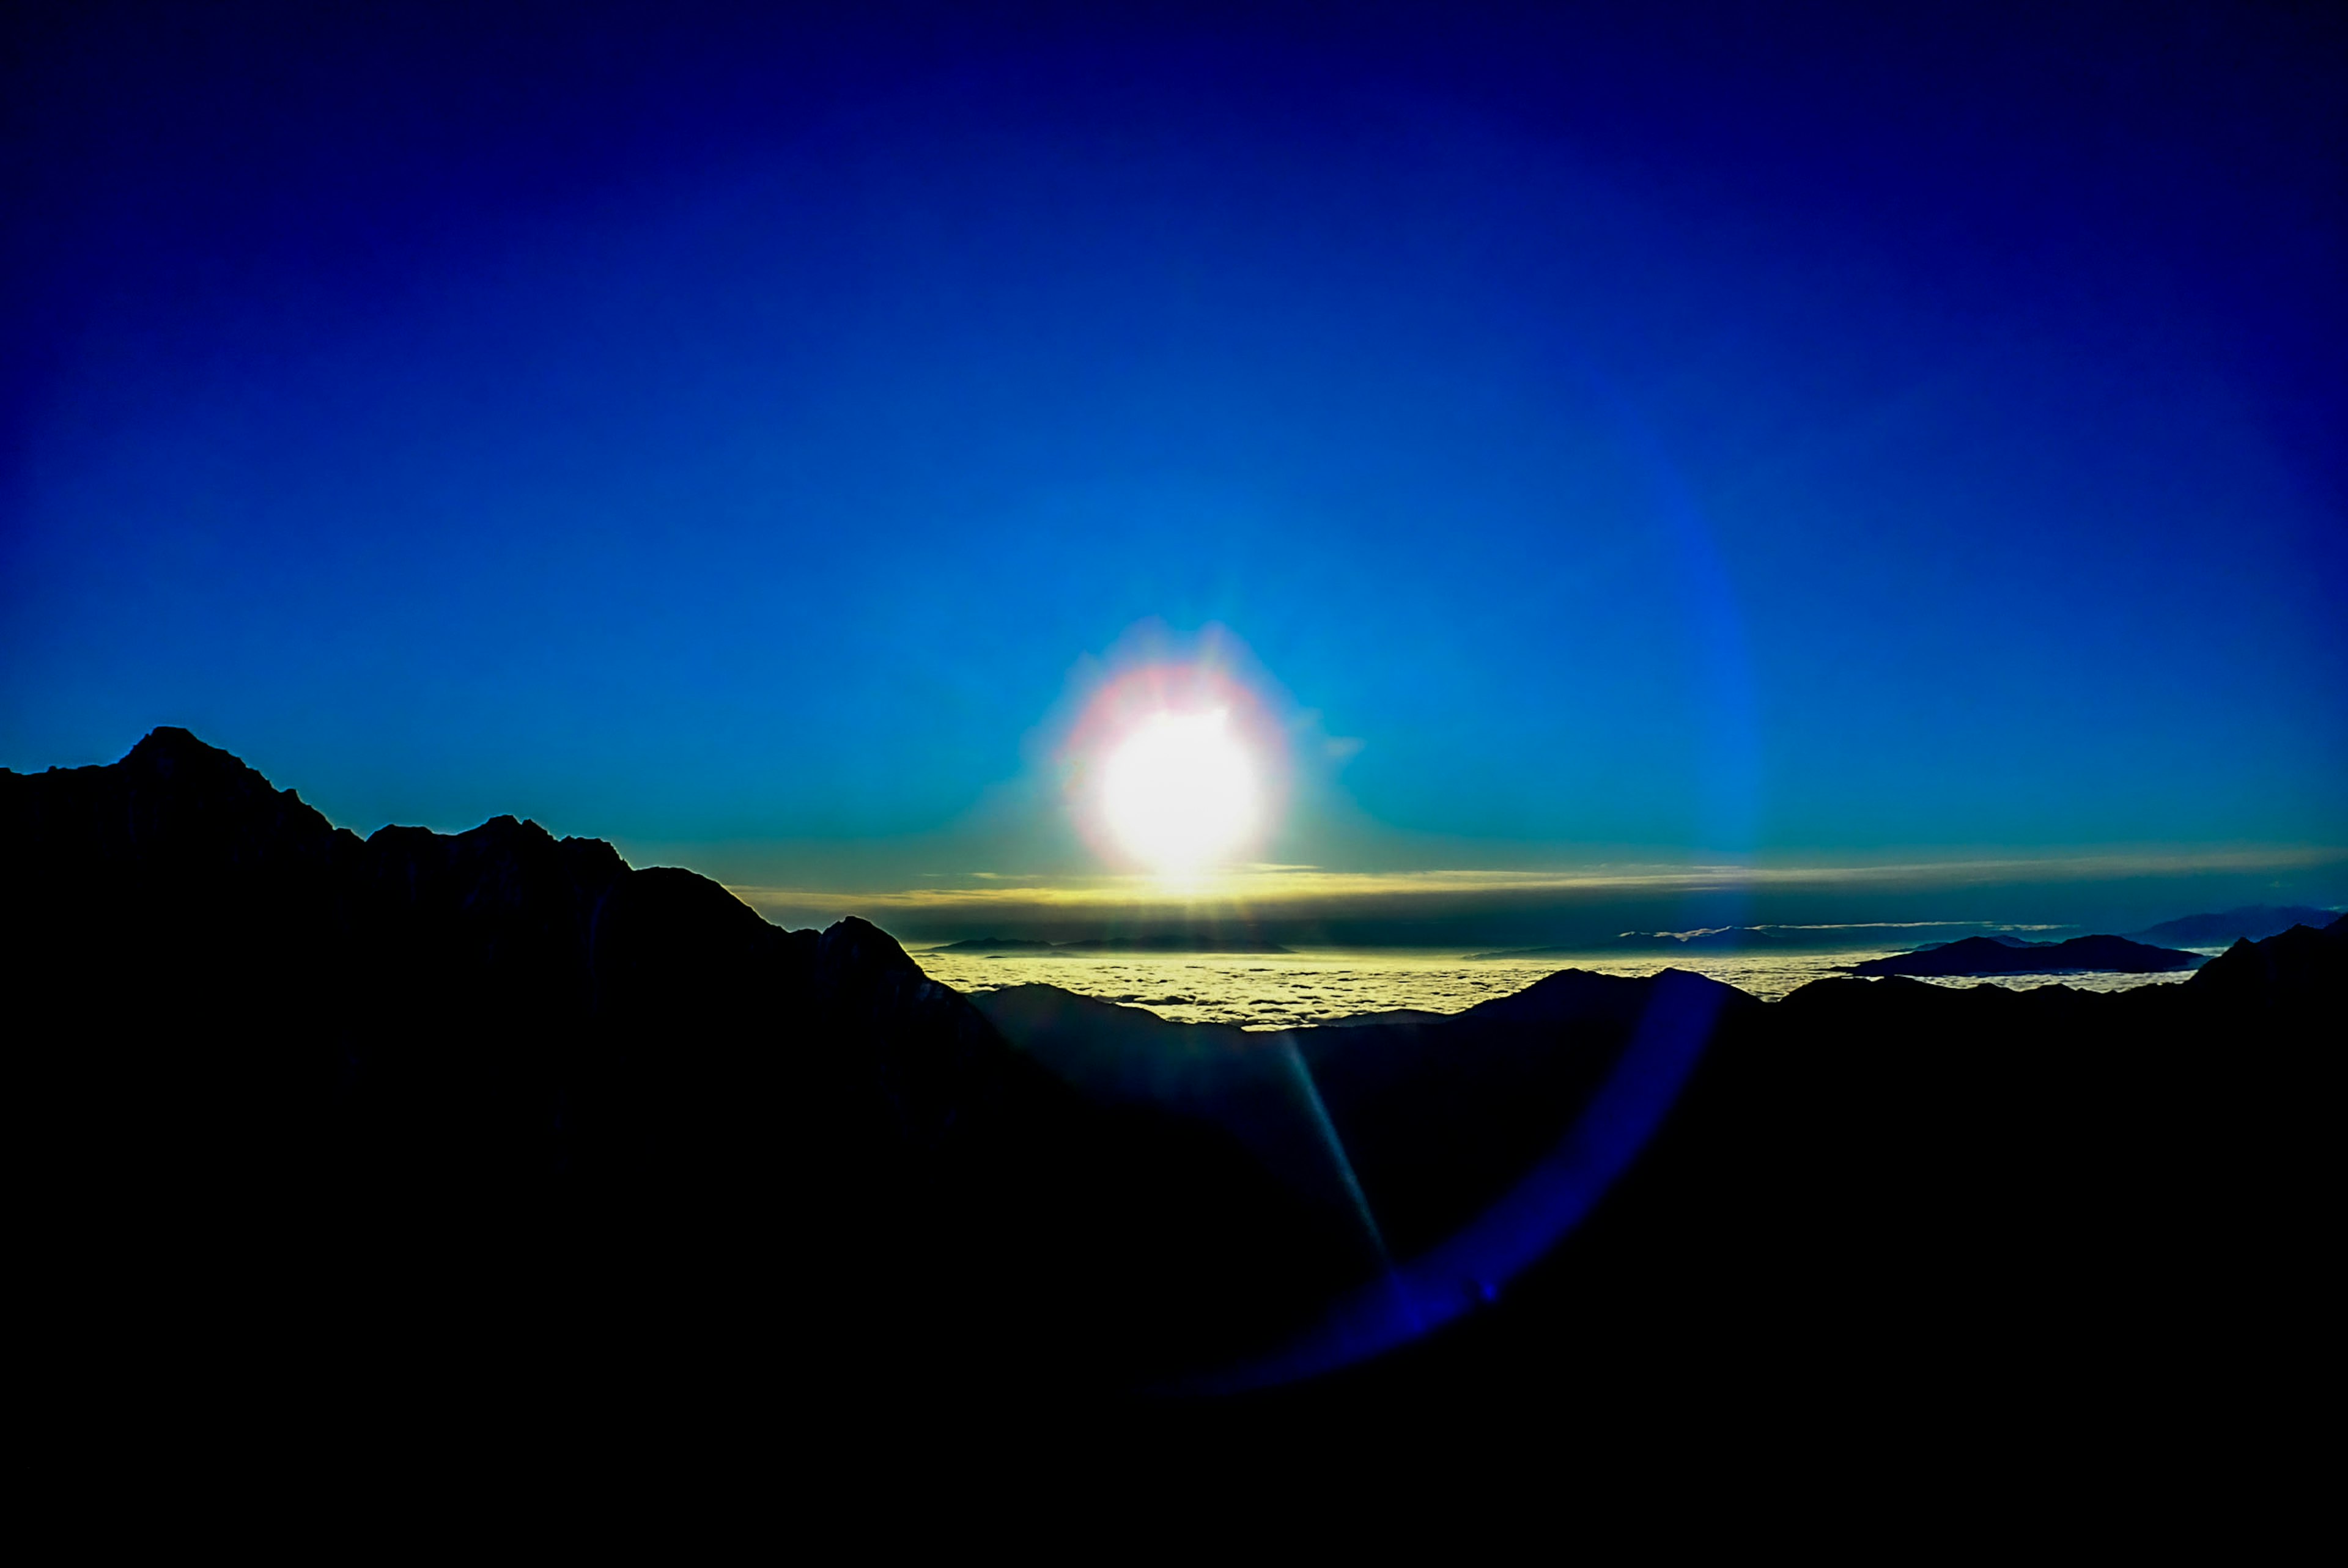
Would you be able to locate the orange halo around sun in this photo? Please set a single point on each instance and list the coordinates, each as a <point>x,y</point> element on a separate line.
<point>1174,770</point>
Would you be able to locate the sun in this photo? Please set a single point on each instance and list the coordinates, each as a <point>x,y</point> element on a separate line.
<point>1181,792</point>
<point>1177,767</point>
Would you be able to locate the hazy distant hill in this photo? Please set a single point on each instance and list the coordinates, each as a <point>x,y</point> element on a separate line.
<point>2005,938</point>
<point>1728,939</point>
<point>1991,956</point>
<point>2252,922</point>
<point>445,1119</point>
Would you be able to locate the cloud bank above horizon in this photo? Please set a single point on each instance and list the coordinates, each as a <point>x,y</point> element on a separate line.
<point>1438,905</point>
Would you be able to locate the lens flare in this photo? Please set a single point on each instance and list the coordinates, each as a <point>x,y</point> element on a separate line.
<point>1180,793</point>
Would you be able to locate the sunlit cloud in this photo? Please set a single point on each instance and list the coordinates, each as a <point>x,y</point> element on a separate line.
<point>1890,925</point>
<point>1270,889</point>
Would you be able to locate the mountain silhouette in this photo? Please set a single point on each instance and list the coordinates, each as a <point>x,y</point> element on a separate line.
<point>505,1066</point>
<point>2004,938</point>
<point>1919,1209</point>
<point>422,1116</point>
<point>1994,956</point>
<point>2253,921</point>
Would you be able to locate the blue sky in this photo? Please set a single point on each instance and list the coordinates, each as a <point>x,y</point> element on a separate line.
<point>1787,437</point>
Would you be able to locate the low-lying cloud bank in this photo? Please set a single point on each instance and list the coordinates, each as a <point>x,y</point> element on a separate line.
<point>2126,889</point>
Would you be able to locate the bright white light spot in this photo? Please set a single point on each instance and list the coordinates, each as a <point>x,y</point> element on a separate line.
<point>1180,793</point>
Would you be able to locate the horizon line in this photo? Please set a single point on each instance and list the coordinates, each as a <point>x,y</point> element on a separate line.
<point>1265,888</point>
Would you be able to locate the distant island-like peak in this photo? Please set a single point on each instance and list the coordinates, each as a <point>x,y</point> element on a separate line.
<point>1991,956</point>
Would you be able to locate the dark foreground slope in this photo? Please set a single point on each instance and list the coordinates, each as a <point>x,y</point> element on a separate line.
<point>493,1111</point>
<point>2046,1227</point>
<point>496,1101</point>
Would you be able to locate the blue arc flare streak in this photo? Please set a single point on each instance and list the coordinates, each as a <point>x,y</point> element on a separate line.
<point>1428,1291</point>
<point>1302,1073</point>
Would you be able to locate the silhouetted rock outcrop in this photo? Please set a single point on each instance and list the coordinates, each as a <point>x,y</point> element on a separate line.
<point>2302,972</point>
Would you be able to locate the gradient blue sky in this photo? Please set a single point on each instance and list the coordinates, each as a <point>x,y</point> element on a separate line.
<point>1797,437</point>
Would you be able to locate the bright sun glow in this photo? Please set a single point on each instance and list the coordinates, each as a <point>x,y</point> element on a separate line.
<point>1180,793</point>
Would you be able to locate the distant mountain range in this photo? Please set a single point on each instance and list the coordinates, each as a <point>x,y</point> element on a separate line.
<point>2252,922</point>
<point>2006,956</point>
<point>432,1120</point>
<point>1981,955</point>
<point>1723,939</point>
<point>1727,939</point>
